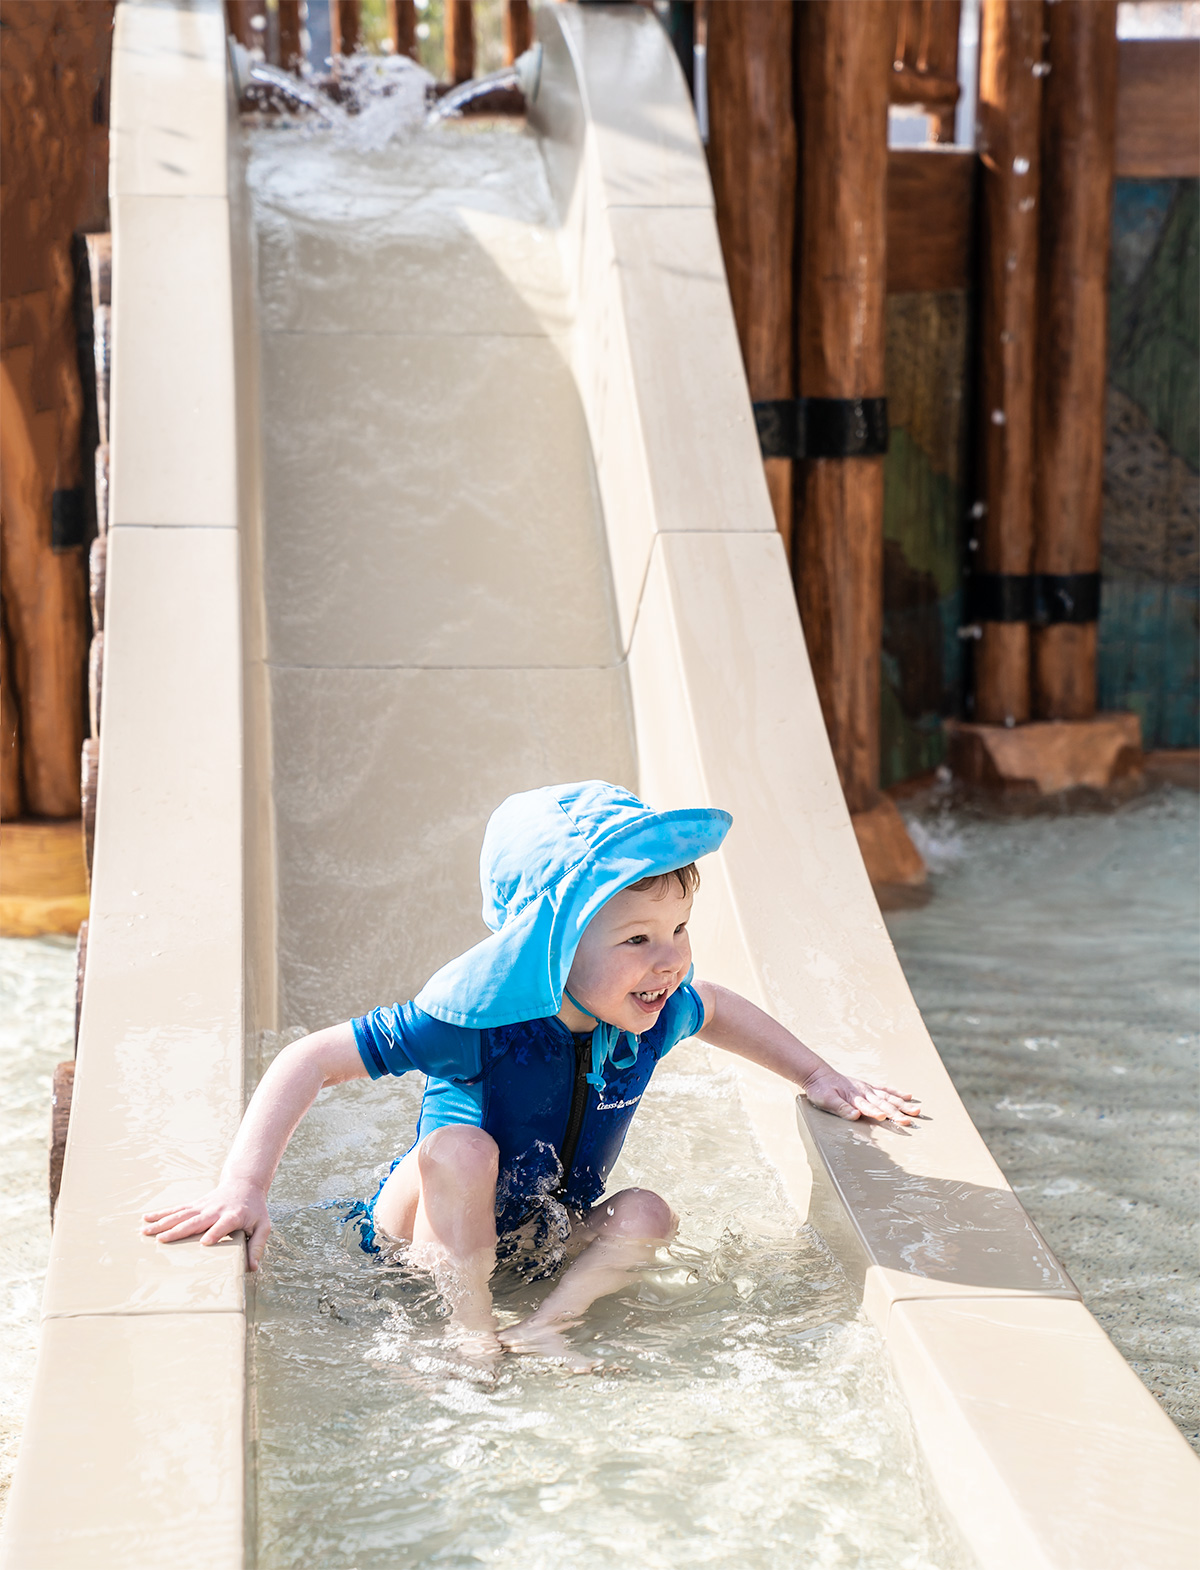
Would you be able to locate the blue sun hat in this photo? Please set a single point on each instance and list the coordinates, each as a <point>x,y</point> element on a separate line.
<point>550,859</point>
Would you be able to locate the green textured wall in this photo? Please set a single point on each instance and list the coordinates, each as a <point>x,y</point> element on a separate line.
<point>1150,602</point>
<point>923,508</point>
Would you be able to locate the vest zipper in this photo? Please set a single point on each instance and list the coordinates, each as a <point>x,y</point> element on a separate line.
<point>579,1090</point>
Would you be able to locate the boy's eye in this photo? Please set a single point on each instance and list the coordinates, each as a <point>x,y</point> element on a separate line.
<point>682,927</point>
<point>639,937</point>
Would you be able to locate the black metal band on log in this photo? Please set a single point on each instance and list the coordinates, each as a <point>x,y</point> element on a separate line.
<point>68,519</point>
<point>1042,599</point>
<point>822,427</point>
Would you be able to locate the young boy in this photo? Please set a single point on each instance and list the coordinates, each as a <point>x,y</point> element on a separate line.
<point>537,1044</point>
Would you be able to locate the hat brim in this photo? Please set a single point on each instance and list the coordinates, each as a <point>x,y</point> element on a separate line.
<point>520,972</point>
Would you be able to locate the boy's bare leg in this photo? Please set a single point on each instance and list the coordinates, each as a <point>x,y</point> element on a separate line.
<point>445,1202</point>
<point>626,1232</point>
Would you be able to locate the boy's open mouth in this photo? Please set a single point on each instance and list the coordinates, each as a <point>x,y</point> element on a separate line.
<point>651,1001</point>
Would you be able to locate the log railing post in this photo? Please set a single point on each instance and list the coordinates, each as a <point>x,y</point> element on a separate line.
<point>752,159</point>
<point>518,29</point>
<point>291,54</point>
<point>843,63</point>
<point>345,27</point>
<point>402,27</point>
<point>460,41</point>
<point>238,16</point>
<point>1010,99</point>
<point>1078,156</point>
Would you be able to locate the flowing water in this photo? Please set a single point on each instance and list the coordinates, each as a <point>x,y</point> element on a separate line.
<point>37,1027</point>
<point>743,1414</point>
<point>441,633</point>
<point>1058,969</point>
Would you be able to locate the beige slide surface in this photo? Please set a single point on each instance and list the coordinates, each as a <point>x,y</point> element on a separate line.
<point>406,517</point>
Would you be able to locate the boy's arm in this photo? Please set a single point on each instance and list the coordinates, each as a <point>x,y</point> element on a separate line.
<point>732,1022</point>
<point>284,1095</point>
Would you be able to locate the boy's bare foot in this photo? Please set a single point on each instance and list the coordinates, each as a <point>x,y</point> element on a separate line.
<point>478,1346</point>
<point>547,1341</point>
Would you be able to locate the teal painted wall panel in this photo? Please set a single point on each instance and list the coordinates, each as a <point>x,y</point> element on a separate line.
<point>1151,534</point>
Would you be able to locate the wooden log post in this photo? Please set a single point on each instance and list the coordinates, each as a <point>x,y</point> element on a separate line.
<point>345,27</point>
<point>239,16</point>
<point>402,27</point>
<point>1078,157</point>
<point>460,41</point>
<point>1010,99</point>
<point>518,29</point>
<point>291,51</point>
<point>752,159</point>
<point>54,151</point>
<point>844,58</point>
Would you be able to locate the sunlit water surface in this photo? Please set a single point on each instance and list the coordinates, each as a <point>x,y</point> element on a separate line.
<point>1058,969</point>
<point>743,1415</point>
<point>37,1026</point>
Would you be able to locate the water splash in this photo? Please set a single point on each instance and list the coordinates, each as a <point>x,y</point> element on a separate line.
<point>525,75</point>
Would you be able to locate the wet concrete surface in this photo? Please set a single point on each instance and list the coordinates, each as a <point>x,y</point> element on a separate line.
<point>1057,965</point>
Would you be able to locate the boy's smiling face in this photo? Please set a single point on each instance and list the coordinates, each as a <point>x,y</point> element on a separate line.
<point>633,955</point>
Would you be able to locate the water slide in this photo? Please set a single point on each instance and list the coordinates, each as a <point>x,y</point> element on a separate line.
<point>434,481</point>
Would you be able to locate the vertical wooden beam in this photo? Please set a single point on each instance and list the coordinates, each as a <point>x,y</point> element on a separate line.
<point>752,159</point>
<point>237,19</point>
<point>54,152</point>
<point>402,27</point>
<point>291,55</point>
<point>1079,139</point>
<point>843,62</point>
<point>518,29</point>
<point>1010,101</point>
<point>460,41</point>
<point>345,27</point>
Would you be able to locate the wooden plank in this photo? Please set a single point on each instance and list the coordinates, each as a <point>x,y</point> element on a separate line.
<point>925,59</point>
<point>930,219</point>
<point>1011,71</point>
<point>752,159</point>
<point>843,59</point>
<point>1158,108</point>
<point>43,880</point>
<point>1079,112</point>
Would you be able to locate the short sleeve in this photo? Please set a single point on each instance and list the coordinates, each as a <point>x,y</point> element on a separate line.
<point>682,1017</point>
<point>401,1037</point>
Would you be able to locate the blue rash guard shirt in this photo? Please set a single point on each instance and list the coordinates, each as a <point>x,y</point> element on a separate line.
<point>525,1085</point>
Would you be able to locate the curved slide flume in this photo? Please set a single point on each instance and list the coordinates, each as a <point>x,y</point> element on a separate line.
<point>247,651</point>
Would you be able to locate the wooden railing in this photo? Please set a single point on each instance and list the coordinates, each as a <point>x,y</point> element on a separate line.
<point>278,31</point>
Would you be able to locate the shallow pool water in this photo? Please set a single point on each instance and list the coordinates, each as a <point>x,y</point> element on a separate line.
<point>37,1027</point>
<point>1058,969</point>
<point>743,1415</point>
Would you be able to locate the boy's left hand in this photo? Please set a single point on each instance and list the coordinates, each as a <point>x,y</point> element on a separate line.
<point>855,1098</point>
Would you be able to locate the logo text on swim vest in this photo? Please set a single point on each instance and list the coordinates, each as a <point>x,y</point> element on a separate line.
<point>615,1106</point>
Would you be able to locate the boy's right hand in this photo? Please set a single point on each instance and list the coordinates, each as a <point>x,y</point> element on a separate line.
<point>231,1207</point>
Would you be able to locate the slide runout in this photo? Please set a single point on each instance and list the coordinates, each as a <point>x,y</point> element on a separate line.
<point>1078,1469</point>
